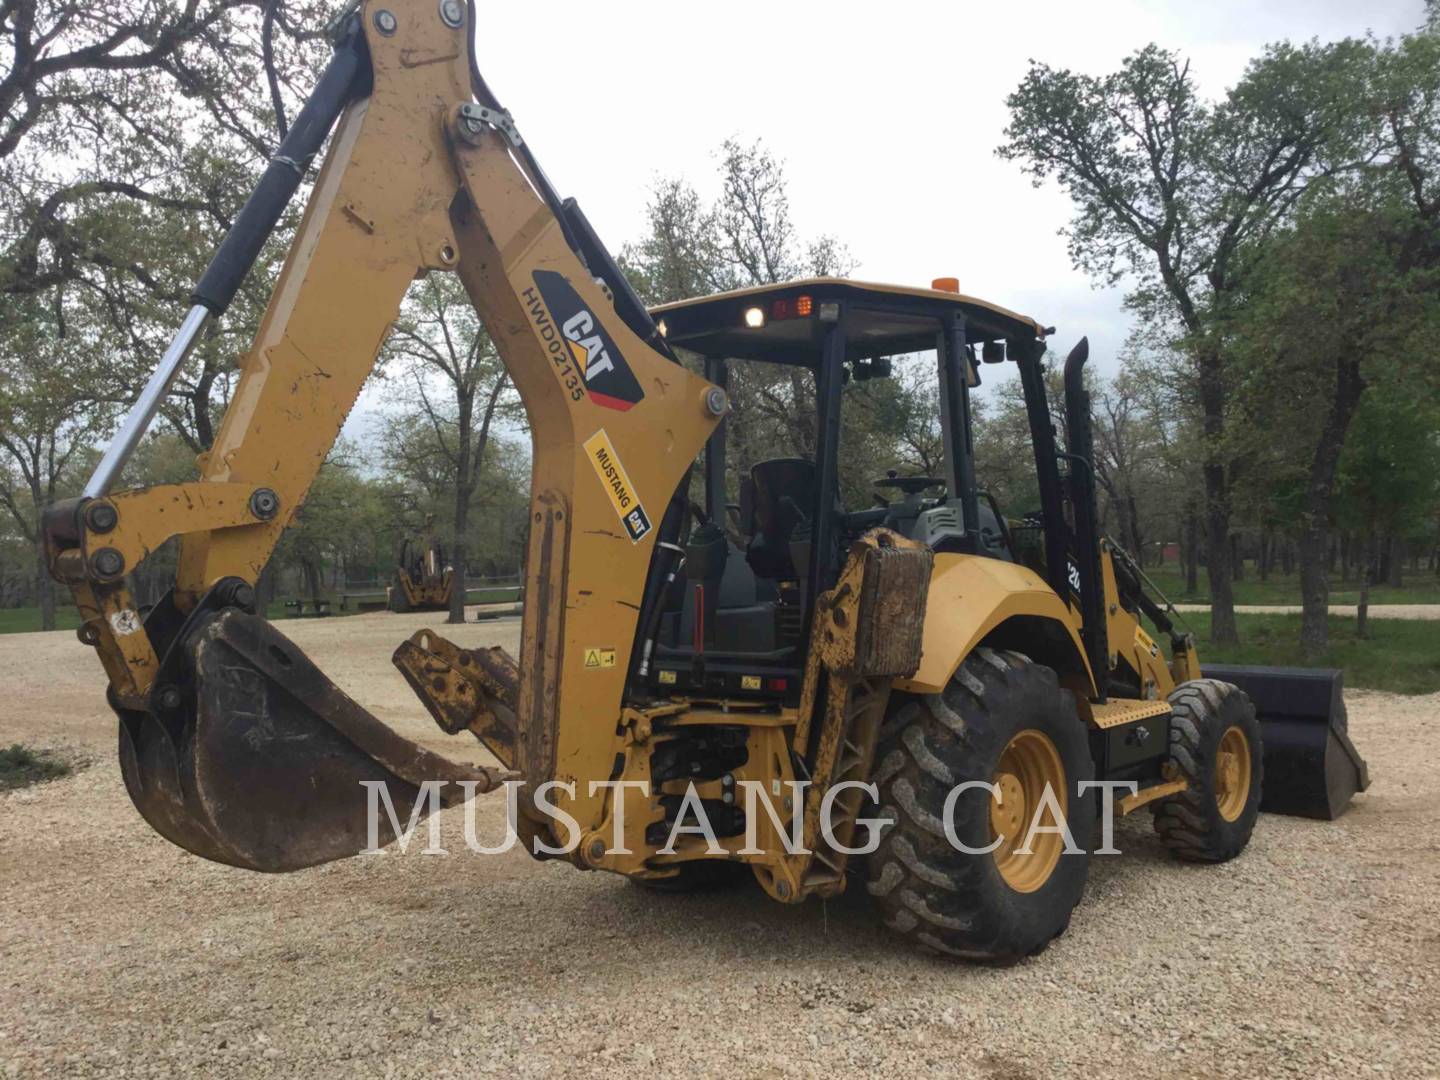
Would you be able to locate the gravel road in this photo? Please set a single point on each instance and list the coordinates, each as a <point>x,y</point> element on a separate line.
<point>1317,953</point>
<point>1423,612</point>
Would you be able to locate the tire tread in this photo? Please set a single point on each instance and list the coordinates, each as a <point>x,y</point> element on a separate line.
<point>929,893</point>
<point>1188,822</point>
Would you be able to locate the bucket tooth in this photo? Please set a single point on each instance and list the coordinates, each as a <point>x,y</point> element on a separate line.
<point>1312,769</point>
<point>261,765</point>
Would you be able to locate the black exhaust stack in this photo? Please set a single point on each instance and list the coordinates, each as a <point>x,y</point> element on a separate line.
<point>1080,454</point>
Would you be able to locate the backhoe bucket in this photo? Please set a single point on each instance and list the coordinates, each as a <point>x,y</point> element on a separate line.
<point>250,756</point>
<point>1311,767</point>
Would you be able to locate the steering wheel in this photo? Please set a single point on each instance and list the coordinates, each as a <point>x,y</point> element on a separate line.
<point>910,485</point>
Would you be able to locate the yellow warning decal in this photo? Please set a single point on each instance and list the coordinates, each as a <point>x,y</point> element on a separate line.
<point>667,678</point>
<point>1146,642</point>
<point>749,682</point>
<point>599,658</point>
<point>617,485</point>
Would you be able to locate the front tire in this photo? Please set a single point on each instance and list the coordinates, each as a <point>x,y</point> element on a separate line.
<point>1006,721</point>
<point>1215,746</point>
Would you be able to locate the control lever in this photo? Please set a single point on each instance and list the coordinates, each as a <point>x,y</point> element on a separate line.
<point>705,556</point>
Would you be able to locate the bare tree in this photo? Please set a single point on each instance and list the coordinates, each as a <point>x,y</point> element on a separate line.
<point>745,238</point>
<point>129,135</point>
<point>460,389</point>
<point>98,105</point>
<point>682,254</point>
<point>1125,450</point>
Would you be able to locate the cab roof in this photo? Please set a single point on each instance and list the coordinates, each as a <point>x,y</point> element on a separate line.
<point>883,320</point>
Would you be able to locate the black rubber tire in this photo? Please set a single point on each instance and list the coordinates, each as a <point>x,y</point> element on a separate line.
<point>1189,823</point>
<point>702,875</point>
<point>932,893</point>
<point>395,600</point>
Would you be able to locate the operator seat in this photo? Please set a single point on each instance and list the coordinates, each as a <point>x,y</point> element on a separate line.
<point>780,487</point>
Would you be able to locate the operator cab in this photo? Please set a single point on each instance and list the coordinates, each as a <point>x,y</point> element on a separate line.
<point>764,540</point>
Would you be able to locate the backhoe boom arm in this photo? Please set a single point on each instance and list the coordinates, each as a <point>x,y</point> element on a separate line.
<point>414,182</point>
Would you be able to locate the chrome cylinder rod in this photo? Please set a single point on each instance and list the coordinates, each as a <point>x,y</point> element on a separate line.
<point>137,421</point>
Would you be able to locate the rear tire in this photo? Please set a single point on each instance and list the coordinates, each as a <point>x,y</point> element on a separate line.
<point>987,907</point>
<point>1215,746</point>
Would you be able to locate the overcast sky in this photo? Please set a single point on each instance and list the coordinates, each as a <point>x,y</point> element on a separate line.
<point>886,116</point>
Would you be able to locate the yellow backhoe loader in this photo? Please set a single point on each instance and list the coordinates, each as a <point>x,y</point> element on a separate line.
<point>701,689</point>
<point>423,579</point>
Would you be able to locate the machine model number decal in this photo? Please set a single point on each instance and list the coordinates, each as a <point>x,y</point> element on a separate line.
<point>617,485</point>
<point>585,357</point>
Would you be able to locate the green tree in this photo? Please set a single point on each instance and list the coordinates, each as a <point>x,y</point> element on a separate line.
<point>46,424</point>
<point>335,526</point>
<point>1169,189</point>
<point>1389,473</point>
<point>1335,307</point>
<point>1340,304</point>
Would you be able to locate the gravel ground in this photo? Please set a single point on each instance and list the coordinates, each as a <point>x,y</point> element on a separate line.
<point>1424,612</point>
<point>1317,953</point>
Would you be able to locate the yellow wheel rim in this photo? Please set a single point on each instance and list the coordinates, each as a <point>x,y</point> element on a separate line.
<point>1028,764</point>
<point>1232,774</point>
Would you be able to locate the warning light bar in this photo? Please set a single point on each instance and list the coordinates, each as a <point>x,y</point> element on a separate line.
<point>797,307</point>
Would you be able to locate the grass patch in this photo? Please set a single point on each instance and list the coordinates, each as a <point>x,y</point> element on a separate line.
<point>492,596</point>
<point>21,766</point>
<point>1422,587</point>
<point>1400,655</point>
<point>26,620</point>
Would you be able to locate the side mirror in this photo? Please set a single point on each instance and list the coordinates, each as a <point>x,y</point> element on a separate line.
<point>881,367</point>
<point>993,352</point>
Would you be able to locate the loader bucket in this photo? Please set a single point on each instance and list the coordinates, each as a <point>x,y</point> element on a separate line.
<point>1311,767</point>
<point>250,756</point>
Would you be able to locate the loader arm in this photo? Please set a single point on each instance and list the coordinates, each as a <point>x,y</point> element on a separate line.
<point>419,177</point>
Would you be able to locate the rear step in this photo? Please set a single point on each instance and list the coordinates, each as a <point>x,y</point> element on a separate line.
<point>1312,769</point>
<point>252,757</point>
